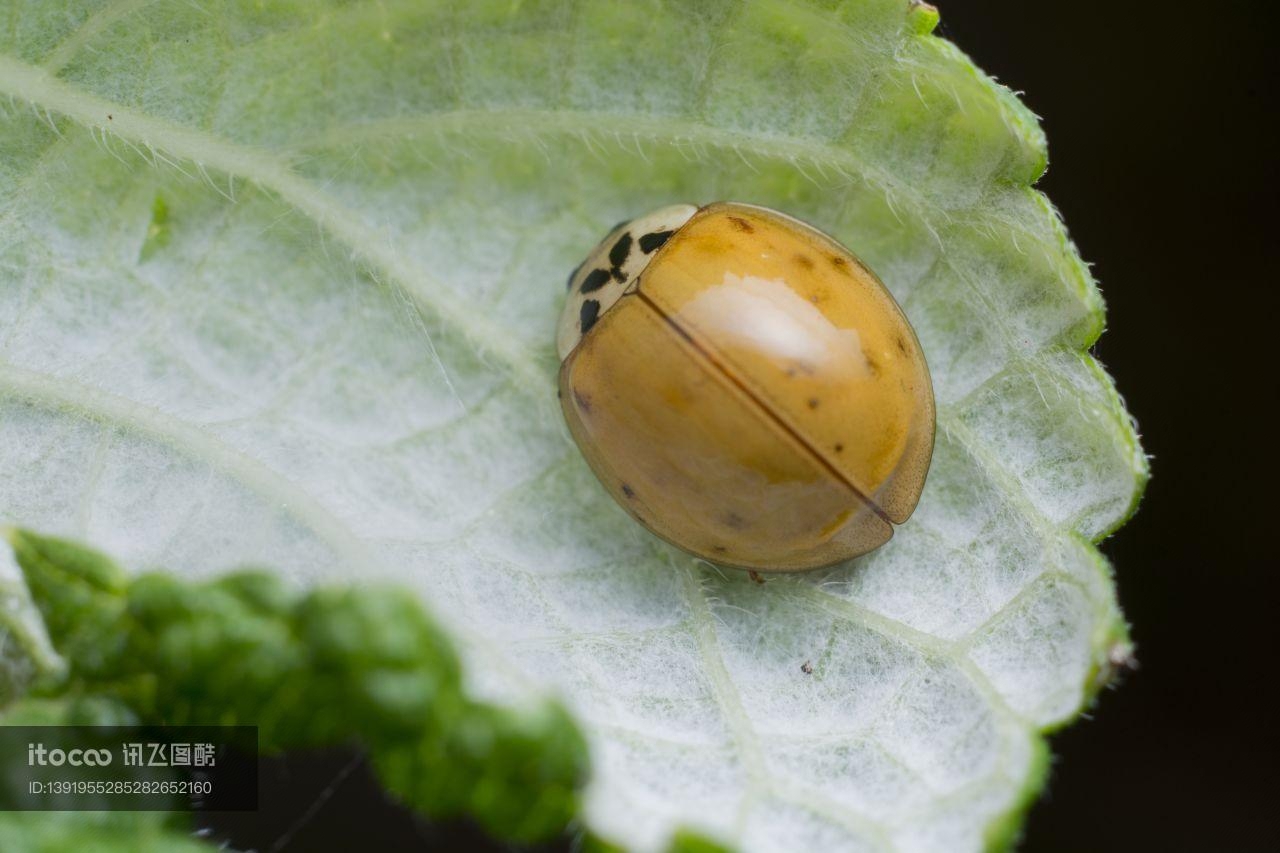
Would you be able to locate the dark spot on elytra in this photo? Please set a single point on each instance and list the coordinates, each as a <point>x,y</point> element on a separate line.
<point>628,491</point>
<point>839,448</point>
<point>741,224</point>
<point>814,402</point>
<point>735,521</point>
<point>588,314</point>
<point>568,285</point>
<point>583,401</point>
<point>902,345</point>
<point>595,280</point>
<point>622,248</point>
<point>650,242</point>
<point>805,261</point>
<point>799,367</point>
<point>839,262</point>
<point>719,549</point>
<point>874,365</point>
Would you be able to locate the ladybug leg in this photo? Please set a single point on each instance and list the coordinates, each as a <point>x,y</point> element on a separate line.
<point>755,576</point>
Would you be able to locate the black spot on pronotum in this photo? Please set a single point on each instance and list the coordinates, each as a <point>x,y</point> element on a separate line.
<point>588,314</point>
<point>595,280</point>
<point>651,242</point>
<point>622,248</point>
<point>628,491</point>
<point>741,224</point>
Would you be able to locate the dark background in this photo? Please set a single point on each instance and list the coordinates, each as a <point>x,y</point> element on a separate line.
<point>1164,169</point>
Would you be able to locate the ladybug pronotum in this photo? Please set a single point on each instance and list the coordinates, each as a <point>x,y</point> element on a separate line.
<point>745,387</point>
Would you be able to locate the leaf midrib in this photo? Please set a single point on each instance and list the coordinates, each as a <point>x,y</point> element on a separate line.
<point>32,84</point>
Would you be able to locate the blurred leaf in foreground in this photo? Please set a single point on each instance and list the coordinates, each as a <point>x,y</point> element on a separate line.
<point>324,667</point>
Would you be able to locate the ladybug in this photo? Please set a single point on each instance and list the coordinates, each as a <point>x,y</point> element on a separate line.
<point>745,387</point>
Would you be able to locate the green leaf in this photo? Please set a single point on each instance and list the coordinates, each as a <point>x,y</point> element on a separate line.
<point>279,283</point>
<point>102,832</point>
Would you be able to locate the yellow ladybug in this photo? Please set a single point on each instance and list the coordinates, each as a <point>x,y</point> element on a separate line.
<point>745,387</point>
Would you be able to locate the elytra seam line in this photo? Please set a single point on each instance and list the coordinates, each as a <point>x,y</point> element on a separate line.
<point>720,368</point>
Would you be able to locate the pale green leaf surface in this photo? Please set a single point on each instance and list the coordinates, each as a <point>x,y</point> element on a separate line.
<point>278,284</point>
